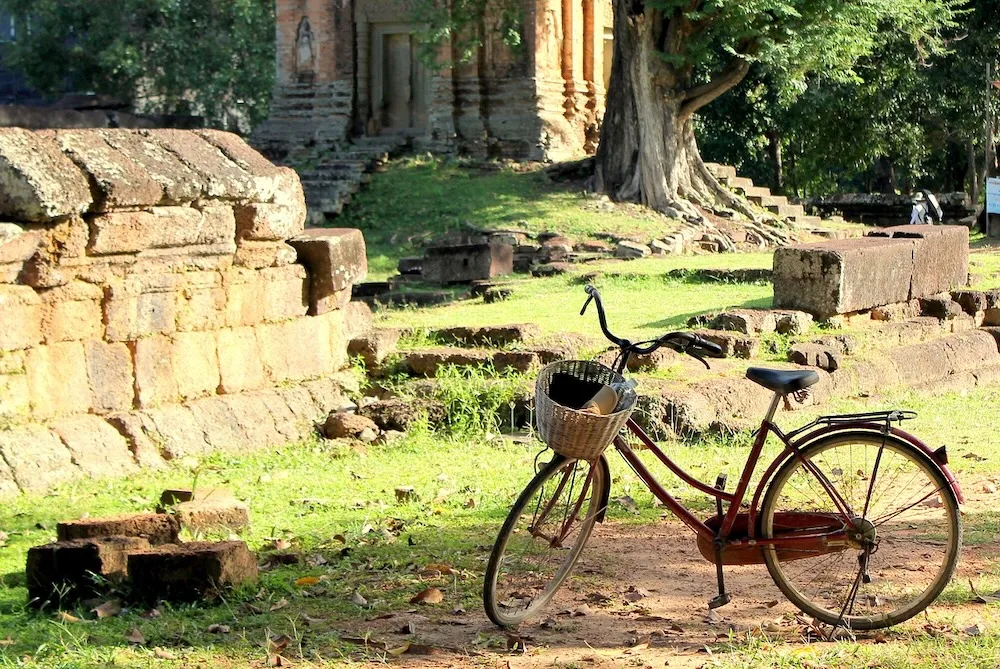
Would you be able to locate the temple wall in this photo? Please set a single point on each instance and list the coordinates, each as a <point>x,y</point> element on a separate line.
<point>159,298</point>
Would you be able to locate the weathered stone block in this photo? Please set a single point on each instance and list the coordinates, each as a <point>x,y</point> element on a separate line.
<point>110,374</point>
<point>17,244</point>
<point>793,322</point>
<point>272,183</point>
<point>375,347</point>
<point>940,256</point>
<point>836,277</point>
<point>991,317</point>
<point>191,571</point>
<point>244,297</point>
<point>253,420</point>
<point>140,306</point>
<point>294,350</point>
<point>178,183</point>
<point>426,362</point>
<point>201,304</point>
<point>196,364</point>
<point>36,457</point>
<point>15,395</point>
<point>98,449</point>
<point>176,431</point>
<point>286,423</point>
<point>218,423</point>
<point>20,326</point>
<point>629,250</point>
<point>815,355</point>
<point>971,301</point>
<point>747,321</point>
<point>358,319</point>
<point>468,262</point>
<point>57,379</point>
<point>896,312</point>
<point>72,312</point>
<point>8,487</point>
<point>270,222</point>
<point>940,307</point>
<point>219,177</point>
<point>336,259</point>
<point>733,345</point>
<point>240,364</point>
<point>116,180</point>
<point>286,292</point>
<point>155,528</point>
<point>401,414</point>
<point>258,255</point>
<point>37,181</point>
<point>63,572</point>
<point>212,514</point>
<point>155,382</point>
<point>161,228</point>
<point>490,335</point>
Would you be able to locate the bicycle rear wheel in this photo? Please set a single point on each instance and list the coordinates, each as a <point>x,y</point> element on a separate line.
<point>543,537</point>
<point>903,538</point>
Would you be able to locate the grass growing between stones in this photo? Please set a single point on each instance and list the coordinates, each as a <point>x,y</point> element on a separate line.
<point>363,554</point>
<point>416,199</point>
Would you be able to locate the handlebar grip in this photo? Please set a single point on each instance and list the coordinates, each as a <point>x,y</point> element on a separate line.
<point>710,348</point>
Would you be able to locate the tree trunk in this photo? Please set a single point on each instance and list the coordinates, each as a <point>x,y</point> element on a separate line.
<point>647,152</point>
<point>774,147</point>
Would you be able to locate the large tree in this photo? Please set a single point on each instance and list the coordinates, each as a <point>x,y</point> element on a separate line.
<point>213,58</point>
<point>673,57</point>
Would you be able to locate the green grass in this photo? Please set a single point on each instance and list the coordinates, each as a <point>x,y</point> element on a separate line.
<point>338,510</point>
<point>417,199</point>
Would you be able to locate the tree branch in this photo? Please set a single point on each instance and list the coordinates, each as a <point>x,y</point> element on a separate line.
<point>699,96</point>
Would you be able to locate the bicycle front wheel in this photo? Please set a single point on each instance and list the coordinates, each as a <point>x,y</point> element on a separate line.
<point>543,537</point>
<point>902,539</point>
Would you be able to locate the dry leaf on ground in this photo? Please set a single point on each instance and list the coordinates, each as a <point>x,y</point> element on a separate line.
<point>217,628</point>
<point>6,642</point>
<point>108,609</point>
<point>280,604</point>
<point>135,636</point>
<point>428,596</point>
<point>358,600</point>
<point>162,654</point>
<point>306,581</point>
<point>64,617</point>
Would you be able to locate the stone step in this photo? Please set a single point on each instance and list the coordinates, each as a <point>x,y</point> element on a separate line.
<point>807,220</point>
<point>786,210</point>
<point>755,192</point>
<point>738,183</point>
<point>771,200</point>
<point>721,171</point>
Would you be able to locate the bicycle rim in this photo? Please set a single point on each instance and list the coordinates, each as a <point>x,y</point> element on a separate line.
<point>903,538</point>
<point>542,538</point>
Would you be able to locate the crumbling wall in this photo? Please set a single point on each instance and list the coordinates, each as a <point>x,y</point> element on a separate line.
<point>159,298</point>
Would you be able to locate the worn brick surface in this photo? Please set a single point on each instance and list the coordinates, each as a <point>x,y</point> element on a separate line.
<point>201,303</point>
<point>57,379</point>
<point>212,515</point>
<point>294,350</point>
<point>178,183</point>
<point>37,181</point>
<point>285,422</point>
<point>270,222</point>
<point>110,375</point>
<point>336,259</point>
<point>301,403</point>
<point>140,306</point>
<point>375,347</point>
<point>244,297</point>
<point>218,176</point>
<point>20,326</point>
<point>8,486</point>
<point>155,528</point>
<point>72,312</point>
<point>195,363</point>
<point>286,292</point>
<point>940,256</point>
<point>177,431</point>
<point>222,430</point>
<point>240,363</point>
<point>155,382</point>
<point>97,448</point>
<point>15,394</point>
<point>734,345</point>
<point>191,571</point>
<point>161,228</point>
<point>464,263</point>
<point>137,430</point>
<point>358,320</point>
<point>36,457</point>
<point>490,335</point>
<point>61,573</point>
<point>253,419</point>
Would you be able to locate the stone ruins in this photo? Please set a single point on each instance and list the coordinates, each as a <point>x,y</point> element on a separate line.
<point>355,69</point>
<point>160,299</point>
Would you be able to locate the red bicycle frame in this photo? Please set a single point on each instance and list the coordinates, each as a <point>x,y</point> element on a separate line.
<point>831,528</point>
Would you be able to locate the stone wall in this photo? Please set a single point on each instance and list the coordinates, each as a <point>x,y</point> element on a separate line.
<point>158,298</point>
<point>886,209</point>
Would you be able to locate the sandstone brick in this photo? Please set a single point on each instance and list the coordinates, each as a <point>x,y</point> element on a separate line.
<point>972,301</point>
<point>140,307</point>
<point>793,322</point>
<point>358,319</point>
<point>253,419</point>
<point>815,355</point>
<point>940,256</point>
<point>190,572</point>
<point>219,177</point>
<point>285,422</point>
<point>17,243</point>
<point>8,487</point>
<point>155,528</point>
<point>201,304</point>
<point>218,423</point>
<point>733,345</point>
<point>137,429</point>
<point>327,393</point>
<point>342,425</point>
<point>178,183</point>
<point>212,515</point>
<point>991,317</point>
<point>519,361</point>
<point>301,403</point>
<point>270,222</point>
<point>244,297</point>
<point>933,361</point>
<point>464,263</point>
<point>375,347</point>
<point>61,573</point>
<point>37,181</point>
<point>116,180</point>
<point>96,447</point>
<point>286,292</point>
<point>37,458</point>
<point>835,277</point>
<point>155,382</point>
<point>72,313</point>
<point>490,335</point>
<point>177,431</point>
<point>297,349</point>
<point>110,374</point>
<point>161,228</point>
<point>240,363</point>
<point>196,364</point>
<point>400,414</point>
<point>336,259</point>
<point>15,395</point>
<point>426,362</point>
<point>272,183</point>
<point>20,326</point>
<point>747,321</point>
<point>57,379</point>
<point>258,255</point>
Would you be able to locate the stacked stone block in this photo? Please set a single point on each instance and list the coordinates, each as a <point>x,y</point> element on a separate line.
<point>147,284</point>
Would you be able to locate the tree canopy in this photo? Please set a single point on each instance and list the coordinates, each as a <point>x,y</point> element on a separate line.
<point>213,58</point>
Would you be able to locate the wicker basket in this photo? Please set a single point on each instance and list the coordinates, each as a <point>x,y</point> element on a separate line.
<point>575,433</point>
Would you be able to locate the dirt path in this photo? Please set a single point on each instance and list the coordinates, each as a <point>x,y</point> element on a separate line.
<point>645,590</point>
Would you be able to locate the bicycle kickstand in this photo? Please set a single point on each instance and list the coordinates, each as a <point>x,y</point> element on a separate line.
<point>723,597</point>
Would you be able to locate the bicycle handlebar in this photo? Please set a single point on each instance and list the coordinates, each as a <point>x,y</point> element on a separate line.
<point>682,342</point>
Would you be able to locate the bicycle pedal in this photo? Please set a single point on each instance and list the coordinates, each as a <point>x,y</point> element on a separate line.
<point>720,600</point>
<point>720,482</point>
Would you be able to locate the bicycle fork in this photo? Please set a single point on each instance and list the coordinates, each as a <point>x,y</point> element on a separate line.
<point>723,597</point>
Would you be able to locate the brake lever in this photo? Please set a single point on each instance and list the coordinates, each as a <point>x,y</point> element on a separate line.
<point>590,298</point>
<point>699,359</point>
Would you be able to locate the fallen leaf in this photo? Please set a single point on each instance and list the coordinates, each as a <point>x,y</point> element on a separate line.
<point>582,610</point>
<point>306,581</point>
<point>6,642</point>
<point>973,456</point>
<point>217,628</point>
<point>470,503</point>
<point>984,599</point>
<point>399,650</point>
<point>435,569</point>
<point>428,596</point>
<point>161,654</point>
<point>276,643</point>
<point>771,604</point>
<point>988,488</point>
<point>108,609</point>
<point>64,617</point>
<point>628,503</point>
<point>357,599</point>
<point>135,636</point>
<point>280,604</point>
<point>974,630</point>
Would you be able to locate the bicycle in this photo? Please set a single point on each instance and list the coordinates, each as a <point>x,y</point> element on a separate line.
<point>856,520</point>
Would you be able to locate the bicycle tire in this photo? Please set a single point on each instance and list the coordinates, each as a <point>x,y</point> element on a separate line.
<point>499,595</point>
<point>907,548</point>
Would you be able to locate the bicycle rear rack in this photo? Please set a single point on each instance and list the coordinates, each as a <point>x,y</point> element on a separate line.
<point>885,417</point>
